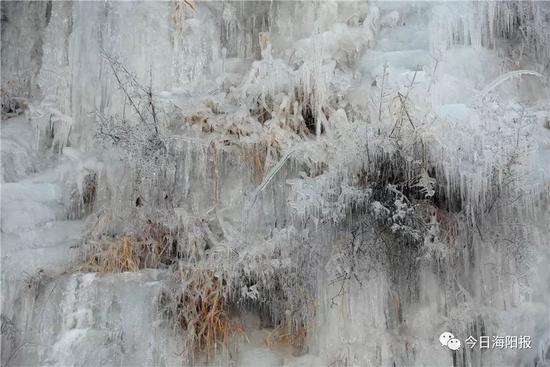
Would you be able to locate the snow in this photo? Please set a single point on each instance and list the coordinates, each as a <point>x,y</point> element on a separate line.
<point>369,175</point>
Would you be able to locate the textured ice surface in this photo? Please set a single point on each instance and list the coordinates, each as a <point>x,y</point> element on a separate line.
<point>272,112</point>
<point>91,320</point>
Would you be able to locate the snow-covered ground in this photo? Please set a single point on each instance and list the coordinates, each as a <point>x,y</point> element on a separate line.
<point>356,177</point>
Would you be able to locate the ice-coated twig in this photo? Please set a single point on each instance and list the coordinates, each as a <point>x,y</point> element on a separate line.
<point>267,179</point>
<point>384,75</point>
<point>504,77</point>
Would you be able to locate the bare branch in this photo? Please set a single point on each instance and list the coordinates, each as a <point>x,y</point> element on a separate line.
<point>114,64</point>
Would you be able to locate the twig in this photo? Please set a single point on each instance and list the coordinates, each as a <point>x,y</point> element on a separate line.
<point>382,92</point>
<point>150,98</point>
<point>501,79</point>
<point>267,179</point>
<point>112,63</point>
<point>403,99</point>
<point>405,109</point>
<point>433,73</point>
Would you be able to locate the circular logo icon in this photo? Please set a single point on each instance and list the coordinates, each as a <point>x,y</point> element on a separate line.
<point>445,337</point>
<point>453,344</point>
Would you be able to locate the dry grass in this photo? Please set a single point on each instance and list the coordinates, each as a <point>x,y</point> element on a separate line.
<point>111,256</point>
<point>201,311</point>
<point>284,336</point>
<point>266,150</point>
<point>448,223</point>
<point>81,203</point>
<point>201,120</point>
<point>89,191</point>
<point>256,155</point>
<point>197,306</point>
<point>13,104</point>
<point>179,12</point>
<point>154,249</point>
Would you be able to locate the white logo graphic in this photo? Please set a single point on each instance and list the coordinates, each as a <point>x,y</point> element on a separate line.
<point>448,340</point>
<point>445,337</point>
<point>454,344</point>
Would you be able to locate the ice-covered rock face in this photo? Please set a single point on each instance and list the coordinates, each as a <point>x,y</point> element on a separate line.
<point>89,319</point>
<point>341,182</point>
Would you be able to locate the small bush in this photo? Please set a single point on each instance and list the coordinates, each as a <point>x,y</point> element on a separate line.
<point>200,310</point>
<point>13,101</point>
<point>153,249</point>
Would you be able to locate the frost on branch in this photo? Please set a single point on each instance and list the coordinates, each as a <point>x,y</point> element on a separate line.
<point>329,182</point>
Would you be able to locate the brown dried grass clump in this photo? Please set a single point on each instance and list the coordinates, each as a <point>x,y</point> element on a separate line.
<point>201,311</point>
<point>199,119</point>
<point>154,249</point>
<point>284,336</point>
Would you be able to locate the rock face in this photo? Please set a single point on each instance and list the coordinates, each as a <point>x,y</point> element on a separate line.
<point>274,183</point>
<point>89,319</point>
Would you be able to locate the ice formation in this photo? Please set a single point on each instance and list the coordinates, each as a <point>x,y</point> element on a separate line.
<point>273,183</point>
